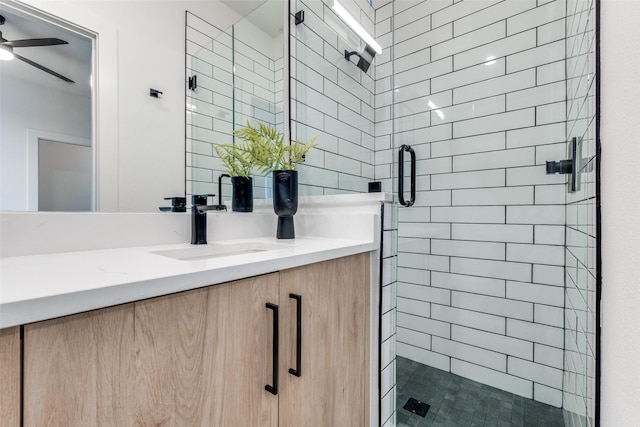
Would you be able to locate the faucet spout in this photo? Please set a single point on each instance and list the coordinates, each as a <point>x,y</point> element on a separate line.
<point>199,210</point>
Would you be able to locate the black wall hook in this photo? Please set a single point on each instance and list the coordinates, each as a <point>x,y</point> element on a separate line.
<point>154,93</point>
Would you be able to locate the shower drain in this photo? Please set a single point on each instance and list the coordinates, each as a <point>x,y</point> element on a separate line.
<point>416,407</point>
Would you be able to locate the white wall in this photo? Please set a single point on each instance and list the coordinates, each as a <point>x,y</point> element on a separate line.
<point>620,107</point>
<point>24,106</point>
<point>140,139</point>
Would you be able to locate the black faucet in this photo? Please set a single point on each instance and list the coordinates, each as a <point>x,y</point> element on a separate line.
<point>199,210</point>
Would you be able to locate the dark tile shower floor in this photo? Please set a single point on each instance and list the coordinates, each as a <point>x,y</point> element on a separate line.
<point>457,401</point>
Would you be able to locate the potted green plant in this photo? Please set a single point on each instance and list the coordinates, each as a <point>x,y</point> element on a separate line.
<point>238,162</point>
<point>270,154</point>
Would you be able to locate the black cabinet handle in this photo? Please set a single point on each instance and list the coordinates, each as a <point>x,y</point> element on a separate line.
<point>273,389</point>
<point>408,148</point>
<point>298,371</point>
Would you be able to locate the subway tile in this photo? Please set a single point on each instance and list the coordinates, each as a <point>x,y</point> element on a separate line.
<point>427,262</point>
<point>495,159</point>
<point>472,144</point>
<point>412,60</point>
<point>423,356</point>
<point>459,10</point>
<point>482,357</point>
<point>549,356</point>
<point>423,40</point>
<point>415,245</point>
<point>487,268</point>
<point>551,113</point>
<point>497,342</point>
<point>493,196</point>
<point>467,75</point>
<point>415,338</point>
<point>413,121</point>
<point>460,282</point>
<point>412,91</point>
<point>468,41</point>
<point>551,32</point>
<point>432,198</point>
<point>495,123</point>
<point>548,275</point>
<point>412,306</point>
<point>388,324</point>
<point>424,325</point>
<point>535,57</point>
<point>548,215</point>
<point>549,234</point>
<point>532,175</point>
<point>493,232</point>
<point>535,254</point>
<point>413,275</point>
<point>424,230</point>
<point>424,72</point>
<point>432,166</point>
<point>550,396</point>
<point>550,152</point>
<point>545,94</point>
<point>487,53</point>
<point>498,85</point>
<point>473,319</point>
<point>482,215</point>
<point>492,305</point>
<point>491,14</point>
<point>538,135</point>
<point>408,11</point>
<point>536,333</point>
<point>425,294</point>
<point>483,250</point>
<point>550,194</point>
<point>536,17</point>
<point>417,27</point>
<point>415,214</point>
<point>491,377</point>
<point>426,103</point>
<point>469,110</point>
<point>433,133</point>
<point>535,372</point>
<point>548,315</point>
<point>541,294</point>
<point>488,178</point>
<point>549,73</point>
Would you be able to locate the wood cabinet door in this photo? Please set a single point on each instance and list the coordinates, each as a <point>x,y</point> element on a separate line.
<point>333,387</point>
<point>10,377</point>
<point>78,370</point>
<point>205,356</point>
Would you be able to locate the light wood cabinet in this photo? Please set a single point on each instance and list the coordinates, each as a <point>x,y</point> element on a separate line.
<point>79,370</point>
<point>203,357</point>
<point>10,377</point>
<point>333,388</point>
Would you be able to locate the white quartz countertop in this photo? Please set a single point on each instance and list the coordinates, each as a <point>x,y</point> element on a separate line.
<point>39,287</point>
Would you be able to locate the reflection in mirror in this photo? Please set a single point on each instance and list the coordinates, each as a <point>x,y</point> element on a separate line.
<point>46,150</point>
<point>238,78</point>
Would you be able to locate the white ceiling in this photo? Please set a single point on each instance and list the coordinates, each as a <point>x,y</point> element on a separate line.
<point>72,60</point>
<point>268,15</point>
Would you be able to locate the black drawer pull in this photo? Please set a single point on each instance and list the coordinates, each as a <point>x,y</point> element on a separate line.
<point>298,371</point>
<point>273,389</point>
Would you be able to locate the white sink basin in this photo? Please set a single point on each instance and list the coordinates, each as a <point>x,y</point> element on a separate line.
<point>218,250</point>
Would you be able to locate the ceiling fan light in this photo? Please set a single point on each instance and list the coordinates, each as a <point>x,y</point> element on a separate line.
<point>6,53</point>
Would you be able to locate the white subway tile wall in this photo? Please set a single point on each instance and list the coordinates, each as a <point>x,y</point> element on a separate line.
<point>333,99</point>
<point>580,275</point>
<point>474,295</point>
<point>256,87</point>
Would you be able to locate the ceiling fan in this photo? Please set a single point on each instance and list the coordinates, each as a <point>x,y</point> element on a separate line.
<point>7,46</point>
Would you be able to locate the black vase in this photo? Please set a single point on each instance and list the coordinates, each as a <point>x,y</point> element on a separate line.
<point>285,201</point>
<point>242,198</point>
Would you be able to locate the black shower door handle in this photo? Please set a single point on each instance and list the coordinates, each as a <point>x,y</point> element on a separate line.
<point>411,201</point>
<point>273,388</point>
<point>298,370</point>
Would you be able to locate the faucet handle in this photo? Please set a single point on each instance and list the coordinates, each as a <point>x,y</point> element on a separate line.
<point>200,199</point>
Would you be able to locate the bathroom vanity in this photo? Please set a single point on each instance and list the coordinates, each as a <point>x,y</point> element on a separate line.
<point>270,333</point>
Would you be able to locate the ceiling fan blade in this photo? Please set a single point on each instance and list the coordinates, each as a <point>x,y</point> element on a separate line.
<point>42,67</point>
<point>34,42</point>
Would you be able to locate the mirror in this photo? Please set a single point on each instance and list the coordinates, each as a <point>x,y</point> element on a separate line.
<point>46,114</point>
<point>235,76</point>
